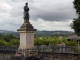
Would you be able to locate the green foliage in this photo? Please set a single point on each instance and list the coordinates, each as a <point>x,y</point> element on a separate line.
<point>14,42</point>
<point>3,43</point>
<point>76,23</point>
<point>53,41</point>
<point>77,6</point>
<point>71,43</point>
<point>76,26</point>
<point>9,40</point>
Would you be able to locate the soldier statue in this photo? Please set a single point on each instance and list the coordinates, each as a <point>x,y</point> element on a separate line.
<point>26,13</point>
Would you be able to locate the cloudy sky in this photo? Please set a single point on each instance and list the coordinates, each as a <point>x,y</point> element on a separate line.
<point>44,14</point>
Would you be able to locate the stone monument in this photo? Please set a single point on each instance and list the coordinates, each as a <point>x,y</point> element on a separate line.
<point>26,31</point>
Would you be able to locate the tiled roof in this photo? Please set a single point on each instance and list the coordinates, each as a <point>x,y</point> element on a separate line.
<point>73,36</point>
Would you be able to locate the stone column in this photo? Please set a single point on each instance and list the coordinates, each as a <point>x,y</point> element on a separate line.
<point>26,37</point>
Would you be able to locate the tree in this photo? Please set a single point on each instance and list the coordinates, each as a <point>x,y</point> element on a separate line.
<point>77,6</point>
<point>76,26</point>
<point>9,40</point>
<point>14,42</point>
<point>76,22</point>
<point>3,43</point>
<point>71,43</point>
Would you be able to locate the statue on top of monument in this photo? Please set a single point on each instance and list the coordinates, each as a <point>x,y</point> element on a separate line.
<point>26,13</point>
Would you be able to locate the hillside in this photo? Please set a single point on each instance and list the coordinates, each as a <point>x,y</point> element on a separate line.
<point>39,32</point>
<point>9,32</point>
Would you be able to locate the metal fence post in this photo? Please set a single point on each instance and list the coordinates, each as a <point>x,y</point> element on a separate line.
<point>53,52</point>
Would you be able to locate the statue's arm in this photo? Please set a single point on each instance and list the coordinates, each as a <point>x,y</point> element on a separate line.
<point>26,9</point>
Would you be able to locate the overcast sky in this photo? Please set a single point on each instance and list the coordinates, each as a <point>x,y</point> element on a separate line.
<point>44,14</point>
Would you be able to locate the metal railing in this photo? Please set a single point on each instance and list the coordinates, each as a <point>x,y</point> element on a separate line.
<point>52,52</point>
<point>58,49</point>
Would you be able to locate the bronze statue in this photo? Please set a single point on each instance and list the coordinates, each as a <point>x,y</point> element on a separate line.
<point>26,13</point>
<point>26,26</point>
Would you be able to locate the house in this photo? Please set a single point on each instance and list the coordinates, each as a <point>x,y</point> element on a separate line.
<point>74,37</point>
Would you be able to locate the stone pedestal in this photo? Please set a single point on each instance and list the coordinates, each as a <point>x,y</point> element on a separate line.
<point>26,37</point>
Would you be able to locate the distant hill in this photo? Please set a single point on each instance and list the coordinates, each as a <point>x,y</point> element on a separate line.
<point>54,32</point>
<point>5,31</point>
<point>9,32</point>
<point>39,32</point>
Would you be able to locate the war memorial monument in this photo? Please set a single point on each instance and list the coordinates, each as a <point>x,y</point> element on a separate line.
<point>26,32</point>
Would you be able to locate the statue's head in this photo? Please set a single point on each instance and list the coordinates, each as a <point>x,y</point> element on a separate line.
<point>26,3</point>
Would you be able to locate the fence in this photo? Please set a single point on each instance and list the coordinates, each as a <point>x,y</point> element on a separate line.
<point>58,49</point>
<point>43,52</point>
<point>7,52</point>
<point>58,52</point>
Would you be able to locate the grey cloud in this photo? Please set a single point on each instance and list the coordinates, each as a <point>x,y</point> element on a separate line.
<point>46,12</point>
<point>51,14</point>
<point>55,16</point>
<point>22,0</point>
<point>16,13</point>
<point>17,10</point>
<point>2,10</point>
<point>14,24</point>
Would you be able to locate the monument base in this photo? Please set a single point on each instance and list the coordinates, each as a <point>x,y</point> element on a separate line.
<point>26,39</point>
